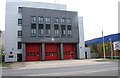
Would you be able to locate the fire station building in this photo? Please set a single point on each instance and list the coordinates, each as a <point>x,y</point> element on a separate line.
<point>41,31</point>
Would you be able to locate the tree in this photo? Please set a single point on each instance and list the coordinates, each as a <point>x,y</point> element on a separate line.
<point>2,50</point>
<point>0,33</point>
<point>94,48</point>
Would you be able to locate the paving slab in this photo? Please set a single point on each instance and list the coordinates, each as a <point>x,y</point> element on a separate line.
<point>54,64</point>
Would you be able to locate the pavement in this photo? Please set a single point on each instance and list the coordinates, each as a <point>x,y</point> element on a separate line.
<point>54,64</point>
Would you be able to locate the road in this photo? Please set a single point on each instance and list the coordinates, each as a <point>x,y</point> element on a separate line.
<point>108,69</point>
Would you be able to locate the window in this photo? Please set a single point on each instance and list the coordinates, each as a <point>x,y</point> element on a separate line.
<point>63,32</point>
<point>48,33</point>
<point>69,30</point>
<point>56,21</point>
<point>47,20</point>
<point>33,19</point>
<point>19,45</point>
<point>62,20</point>
<point>69,33</point>
<point>19,34</point>
<point>36,54</point>
<point>10,56</point>
<point>69,22</point>
<point>19,9</point>
<point>56,31</point>
<point>29,54</point>
<point>40,20</point>
<point>33,30</point>
<point>40,30</point>
<point>19,22</point>
<point>50,54</point>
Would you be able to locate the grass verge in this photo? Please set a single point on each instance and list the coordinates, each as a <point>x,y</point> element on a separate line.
<point>5,64</point>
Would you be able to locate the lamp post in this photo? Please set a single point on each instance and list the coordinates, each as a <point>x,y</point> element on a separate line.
<point>103,45</point>
<point>111,48</point>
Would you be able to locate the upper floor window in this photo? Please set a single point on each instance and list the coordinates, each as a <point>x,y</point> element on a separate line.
<point>69,22</point>
<point>47,20</point>
<point>69,30</point>
<point>19,22</point>
<point>40,30</point>
<point>56,31</point>
<point>19,34</point>
<point>19,9</point>
<point>19,45</point>
<point>56,21</point>
<point>63,32</point>
<point>33,19</point>
<point>62,20</point>
<point>40,20</point>
<point>48,32</point>
<point>33,30</point>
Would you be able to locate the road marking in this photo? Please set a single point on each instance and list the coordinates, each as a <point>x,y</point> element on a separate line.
<point>76,72</point>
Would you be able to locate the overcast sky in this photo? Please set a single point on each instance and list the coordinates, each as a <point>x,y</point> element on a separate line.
<point>97,15</point>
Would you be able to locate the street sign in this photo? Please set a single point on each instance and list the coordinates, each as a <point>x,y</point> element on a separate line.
<point>116,45</point>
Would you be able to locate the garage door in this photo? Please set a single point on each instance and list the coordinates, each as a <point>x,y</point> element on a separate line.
<point>32,52</point>
<point>51,51</point>
<point>68,50</point>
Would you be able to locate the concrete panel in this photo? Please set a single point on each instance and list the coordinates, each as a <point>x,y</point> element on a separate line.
<point>43,52</point>
<point>28,12</point>
<point>61,51</point>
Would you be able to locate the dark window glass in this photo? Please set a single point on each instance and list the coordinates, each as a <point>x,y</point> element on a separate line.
<point>63,32</point>
<point>40,30</point>
<point>31,53</point>
<point>56,27</point>
<point>69,30</point>
<point>36,54</point>
<point>33,19</point>
<point>19,34</point>
<point>19,45</point>
<point>19,9</point>
<point>10,56</point>
<point>56,31</point>
<point>33,30</point>
<point>47,26</point>
<point>40,20</point>
<point>48,33</point>
<point>19,22</point>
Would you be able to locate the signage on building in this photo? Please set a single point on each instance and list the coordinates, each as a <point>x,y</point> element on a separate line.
<point>116,45</point>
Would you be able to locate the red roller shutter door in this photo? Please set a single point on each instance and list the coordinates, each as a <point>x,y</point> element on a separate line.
<point>51,51</point>
<point>68,50</point>
<point>32,52</point>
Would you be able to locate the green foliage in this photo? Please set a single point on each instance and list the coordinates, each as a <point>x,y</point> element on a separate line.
<point>94,48</point>
<point>107,47</point>
<point>2,50</point>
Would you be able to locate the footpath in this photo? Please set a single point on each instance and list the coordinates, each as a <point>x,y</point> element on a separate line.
<point>54,64</point>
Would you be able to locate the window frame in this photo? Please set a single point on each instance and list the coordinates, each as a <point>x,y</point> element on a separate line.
<point>63,31</point>
<point>69,21</point>
<point>33,30</point>
<point>19,34</point>
<point>33,19</point>
<point>19,22</point>
<point>41,30</point>
<point>19,9</point>
<point>47,20</point>
<point>19,45</point>
<point>40,19</point>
